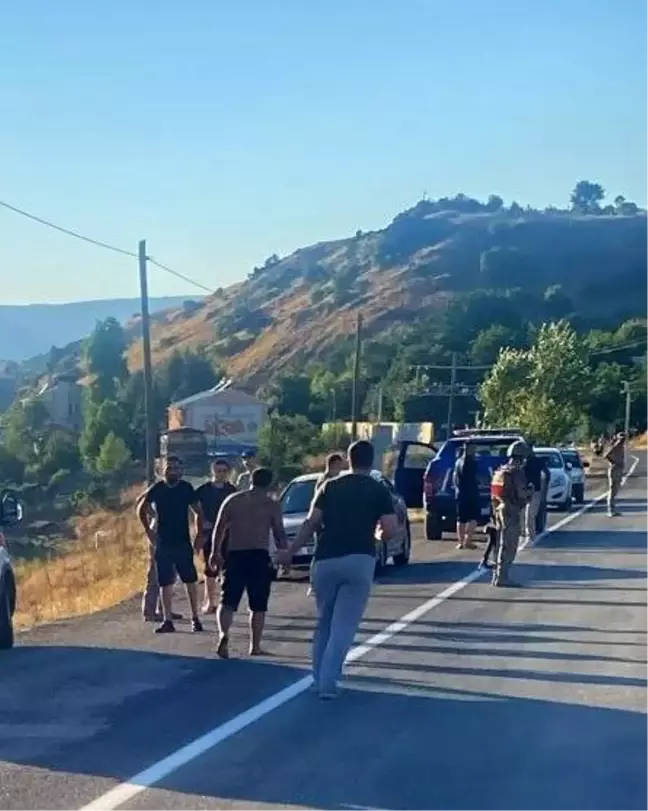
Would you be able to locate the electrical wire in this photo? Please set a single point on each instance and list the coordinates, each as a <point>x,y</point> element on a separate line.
<point>98,243</point>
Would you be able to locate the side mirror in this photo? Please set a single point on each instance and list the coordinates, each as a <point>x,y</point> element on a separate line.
<point>11,509</point>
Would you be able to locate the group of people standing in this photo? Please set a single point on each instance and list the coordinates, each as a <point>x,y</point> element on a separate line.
<point>517,490</point>
<point>234,530</point>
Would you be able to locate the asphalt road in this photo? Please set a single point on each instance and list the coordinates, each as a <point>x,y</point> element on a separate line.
<point>483,698</point>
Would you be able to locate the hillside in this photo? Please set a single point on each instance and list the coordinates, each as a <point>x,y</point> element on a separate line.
<point>27,331</point>
<point>295,309</point>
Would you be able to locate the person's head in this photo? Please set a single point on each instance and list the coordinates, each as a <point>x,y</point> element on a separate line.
<point>220,471</point>
<point>361,456</point>
<point>172,469</point>
<point>621,436</point>
<point>262,478</point>
<point>249,460</point>
<point>334,464</point>
<point>518,452</point>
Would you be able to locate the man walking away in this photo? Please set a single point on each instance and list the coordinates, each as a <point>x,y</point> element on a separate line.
<point>211,496</point>
<point>615,457</point>
<point>466,485</point>
<point>244,481</point>
<point>510,495</point>
<point>536,474</point>
<point>247,519</point>
<point>172,498</point>
<point>346,510</point>
<point>334,466</point>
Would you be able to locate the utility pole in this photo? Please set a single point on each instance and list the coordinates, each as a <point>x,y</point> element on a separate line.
<point>453,383</point>
<point>381,393</point>
<point>151,428</point>
<point>355,393</point>
<point>628,403</point>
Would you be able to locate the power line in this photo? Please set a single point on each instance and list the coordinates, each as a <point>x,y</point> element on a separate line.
<point>619,348</point>
<point>98,243</point>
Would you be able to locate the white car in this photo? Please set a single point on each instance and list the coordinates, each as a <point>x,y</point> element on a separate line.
<point>10,516</point>
<point>576,467</point>
<point>559,490</point>
<point>295,503</point>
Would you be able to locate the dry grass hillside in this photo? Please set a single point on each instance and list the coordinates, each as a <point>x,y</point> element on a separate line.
<point>292,309</point>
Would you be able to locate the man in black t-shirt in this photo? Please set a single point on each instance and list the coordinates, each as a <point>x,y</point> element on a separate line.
<point>344,514</point>
<point>171,499</point>
<point>211,496</point>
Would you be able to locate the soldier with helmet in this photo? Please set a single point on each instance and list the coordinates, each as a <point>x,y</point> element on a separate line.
<point>510,493</point>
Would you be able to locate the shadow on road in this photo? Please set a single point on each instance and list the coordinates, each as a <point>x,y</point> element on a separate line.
<point>375,747</point>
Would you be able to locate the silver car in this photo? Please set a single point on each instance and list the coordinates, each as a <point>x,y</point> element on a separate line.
<point>10,516</point>
<point>295,503</point>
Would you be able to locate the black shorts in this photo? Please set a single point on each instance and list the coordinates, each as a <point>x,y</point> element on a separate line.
<point>468,510</point>
<point>175,558</point>
<point>250,571</point>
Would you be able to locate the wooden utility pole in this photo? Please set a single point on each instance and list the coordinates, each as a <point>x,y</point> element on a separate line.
<point>151,428</point>
<point>355,392</point>
<point>453,383</point>
<point>628,404</point>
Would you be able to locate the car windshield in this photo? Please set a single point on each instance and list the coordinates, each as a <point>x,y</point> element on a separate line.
<point>298,496</point>
<point>573,458</point>
<point>552,459</point>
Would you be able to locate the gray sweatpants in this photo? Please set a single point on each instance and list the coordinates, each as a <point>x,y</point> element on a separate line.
<point>342,588</point>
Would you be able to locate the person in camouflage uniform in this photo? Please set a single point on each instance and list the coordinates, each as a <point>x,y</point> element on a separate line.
<point>510,494</point>
<point>615,457</point>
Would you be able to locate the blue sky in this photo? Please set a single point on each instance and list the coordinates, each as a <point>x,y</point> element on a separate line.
<point>223,132</point>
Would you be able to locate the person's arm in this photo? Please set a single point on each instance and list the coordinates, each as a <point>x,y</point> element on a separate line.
<point>311,525</point>
<point>387,520</point>
<point>456,473</point>
<point>278,531</point>
<point>220,531</point>
<point>196,508</point>
<point>143,509</point>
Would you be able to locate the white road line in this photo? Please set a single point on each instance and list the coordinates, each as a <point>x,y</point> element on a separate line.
<point>123,792</point>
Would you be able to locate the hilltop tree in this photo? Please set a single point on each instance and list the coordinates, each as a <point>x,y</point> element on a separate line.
<point>586,197</point>
<point>103,358</point>
<point>114,457</point>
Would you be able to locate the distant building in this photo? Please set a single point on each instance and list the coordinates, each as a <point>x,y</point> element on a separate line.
<point>231,419</point>
<point>63,399</point>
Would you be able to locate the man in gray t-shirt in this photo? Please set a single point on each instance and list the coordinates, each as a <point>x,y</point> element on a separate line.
<point>345,512</point>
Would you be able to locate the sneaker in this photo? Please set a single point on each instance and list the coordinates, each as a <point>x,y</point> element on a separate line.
<point>196,625</point>
<point>167,627</point>
<point>223,648</point>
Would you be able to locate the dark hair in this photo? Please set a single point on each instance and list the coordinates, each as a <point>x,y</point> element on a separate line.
<point>262,477</point>
<point>223,462</point>
<point>176,459</point>
<point>361,455</point>
<point>334,457</point>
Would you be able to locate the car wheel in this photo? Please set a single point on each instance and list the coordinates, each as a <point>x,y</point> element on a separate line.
<point>403,558</point>
<point>433,530</point>
<point>6,619</point>
<point>579,494</point>
<point>381,559</point>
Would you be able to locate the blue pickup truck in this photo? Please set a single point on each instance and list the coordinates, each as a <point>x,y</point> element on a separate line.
<point>423,476</point>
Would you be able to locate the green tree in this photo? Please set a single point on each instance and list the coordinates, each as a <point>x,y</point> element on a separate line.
<point>100,420</point>
<point>285,441</point>
<point>25,426</point>
<point>586,197</point>
<point>103,359</point>
<point>60,451</point>
<point>487,345</point>
<point>542,390</point>
<point>114,457</point>
<point>12,469</point>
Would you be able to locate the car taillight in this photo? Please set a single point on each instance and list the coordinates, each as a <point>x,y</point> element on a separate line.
<point>430,486</point>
